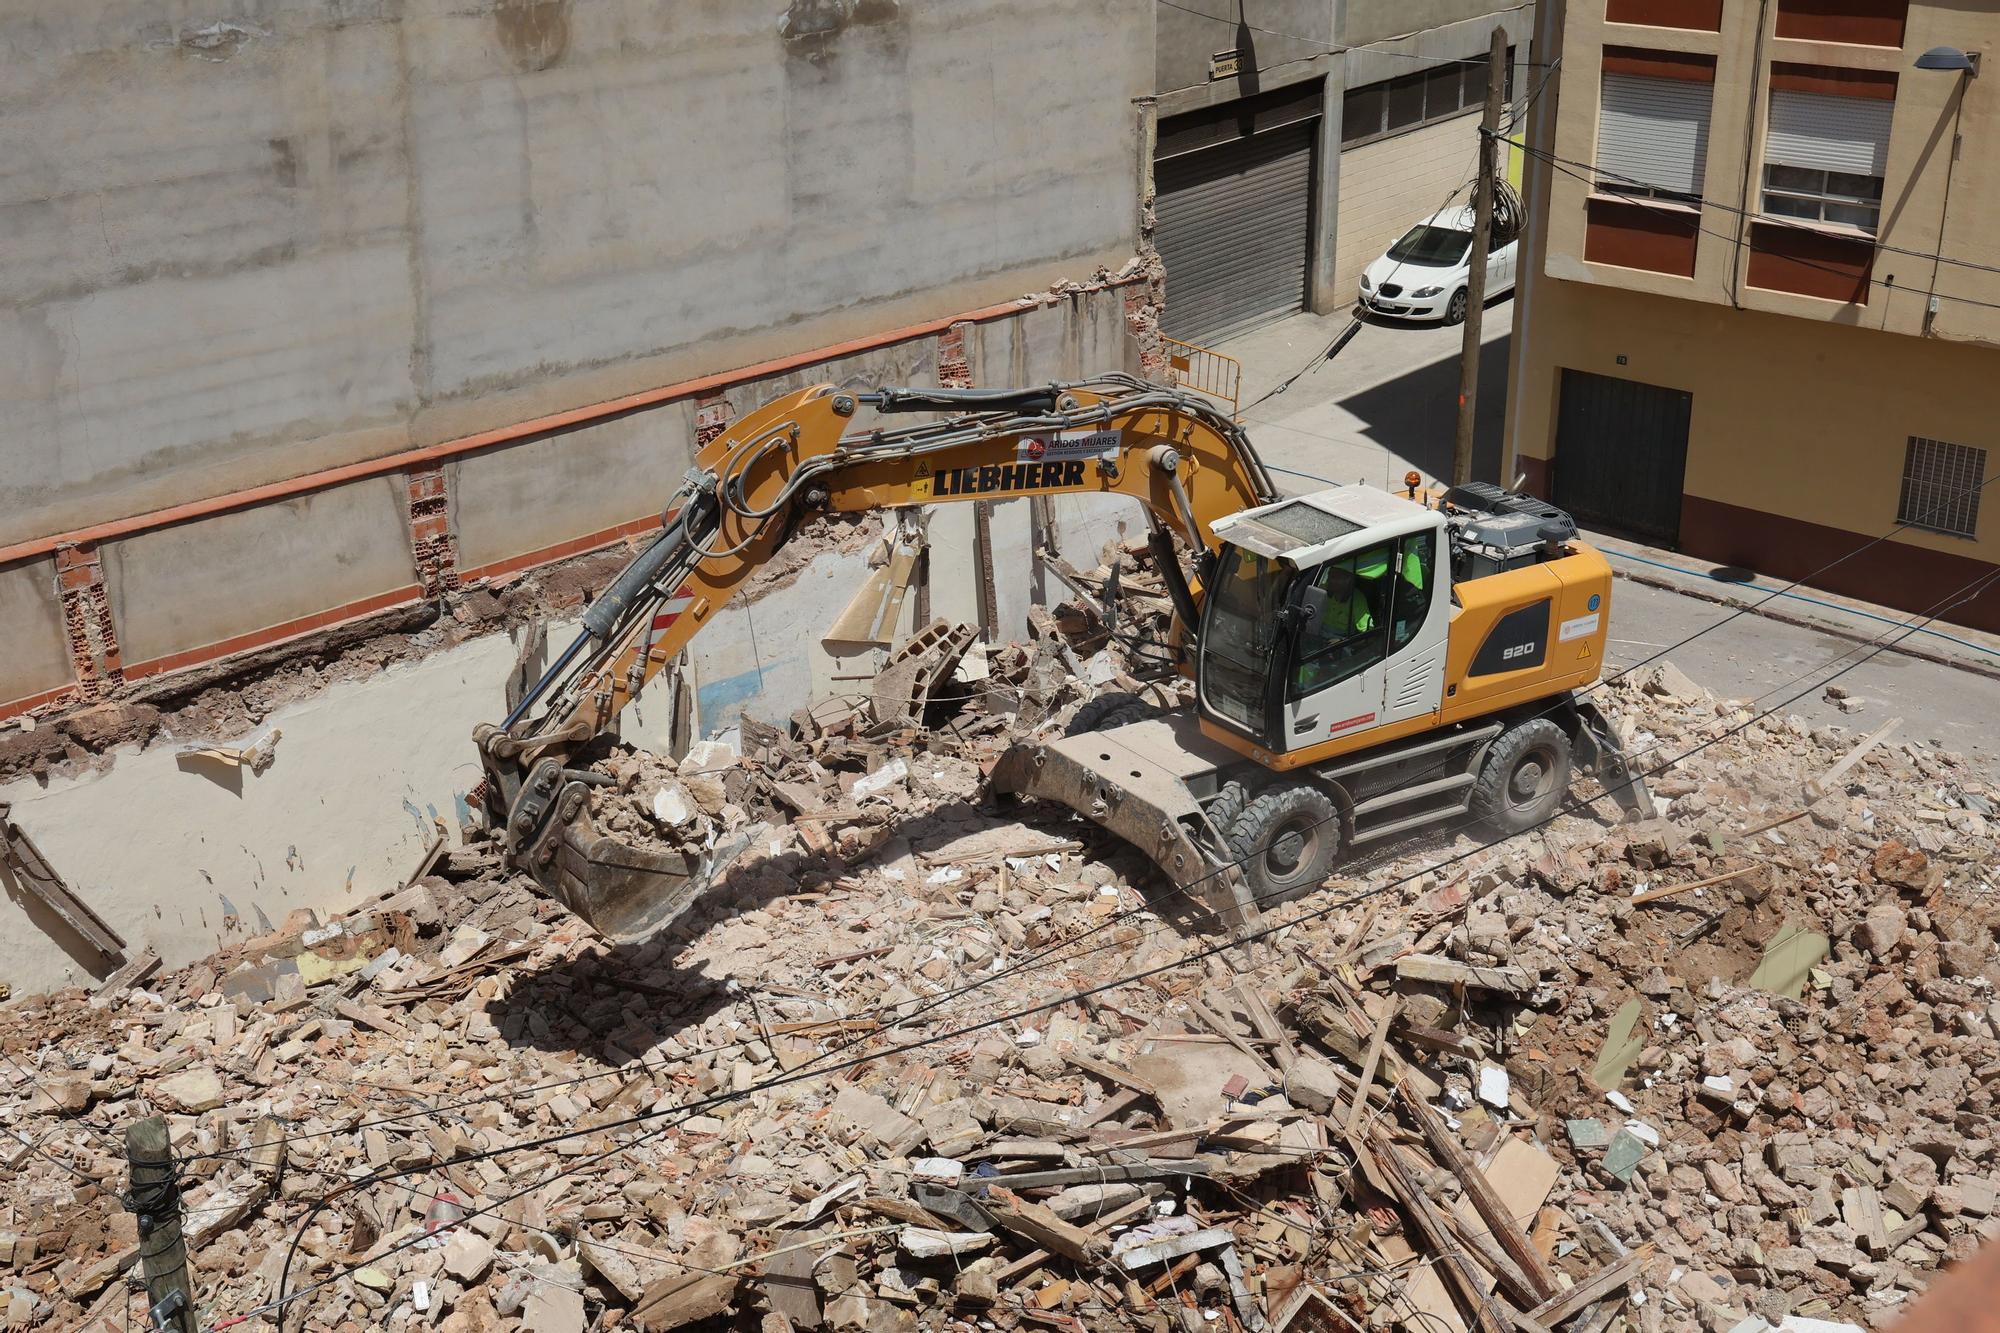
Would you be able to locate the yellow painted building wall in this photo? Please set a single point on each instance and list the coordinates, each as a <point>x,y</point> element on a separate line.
<point>1802,408</point>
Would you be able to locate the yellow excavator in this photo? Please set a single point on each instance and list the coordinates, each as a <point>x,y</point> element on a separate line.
<point>1364,662</point>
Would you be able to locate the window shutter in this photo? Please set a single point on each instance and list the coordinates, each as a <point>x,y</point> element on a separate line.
<point>1827,133</point>
<point>1654,131</point>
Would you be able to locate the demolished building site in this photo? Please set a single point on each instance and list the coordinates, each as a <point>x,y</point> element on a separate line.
<point>926,1058</point>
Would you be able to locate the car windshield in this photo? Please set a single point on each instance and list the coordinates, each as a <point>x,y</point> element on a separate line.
<point>1434,247</point>
<point>1240,634</point>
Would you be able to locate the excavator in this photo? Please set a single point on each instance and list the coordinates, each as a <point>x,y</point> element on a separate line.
<point>1364,662</point>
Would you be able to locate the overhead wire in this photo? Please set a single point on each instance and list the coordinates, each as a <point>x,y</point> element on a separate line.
<point>1034,961</point>
<point>1328,48</point>
<point>684,1111</point>
<point>1605,183</point>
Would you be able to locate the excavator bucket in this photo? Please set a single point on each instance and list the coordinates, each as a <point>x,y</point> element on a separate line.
<point>1134,781</point>
<point>626,891</point>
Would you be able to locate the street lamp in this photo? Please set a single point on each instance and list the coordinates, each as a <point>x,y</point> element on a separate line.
<point>1966,65</point>
<point>1952,59</point>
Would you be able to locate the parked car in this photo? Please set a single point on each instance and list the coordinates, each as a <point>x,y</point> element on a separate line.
<point>1424,275</point>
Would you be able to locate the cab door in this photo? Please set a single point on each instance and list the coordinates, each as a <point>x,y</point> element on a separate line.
<point>1419,628</point>
<point>1336,676</point>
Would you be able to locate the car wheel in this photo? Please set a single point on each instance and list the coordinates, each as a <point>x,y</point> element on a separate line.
<point>1454,310</point>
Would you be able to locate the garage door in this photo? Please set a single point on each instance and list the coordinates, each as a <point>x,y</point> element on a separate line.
<point>1621,452</point>
<point>1388,186</point>
<point>1234,227</point>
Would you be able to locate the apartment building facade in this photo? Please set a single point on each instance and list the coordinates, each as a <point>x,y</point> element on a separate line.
<point>1759,312</point>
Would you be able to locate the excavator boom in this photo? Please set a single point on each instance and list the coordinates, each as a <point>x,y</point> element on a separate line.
<point>749,490</point>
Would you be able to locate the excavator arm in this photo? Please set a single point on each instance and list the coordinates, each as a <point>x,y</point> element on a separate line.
<point>748,492</point>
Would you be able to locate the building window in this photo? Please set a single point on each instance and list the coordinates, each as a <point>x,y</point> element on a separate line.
<point>1652,128</point>
<point>1854,22</point>
<point>1822,196</point>
<point>1439,92</point>
<point>1827,148</point>
<point>1941,487</point>
<point>1653,137</point>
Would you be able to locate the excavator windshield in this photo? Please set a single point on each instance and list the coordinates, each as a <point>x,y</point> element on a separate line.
<point>1239,639</point>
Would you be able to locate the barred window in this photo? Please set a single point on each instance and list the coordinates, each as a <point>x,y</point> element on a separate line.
<point>1941,486</point>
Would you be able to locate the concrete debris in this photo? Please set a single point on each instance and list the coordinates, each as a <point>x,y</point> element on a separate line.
<point>735,1127</point>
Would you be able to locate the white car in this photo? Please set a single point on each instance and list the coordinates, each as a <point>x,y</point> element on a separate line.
<point>1424,275</point>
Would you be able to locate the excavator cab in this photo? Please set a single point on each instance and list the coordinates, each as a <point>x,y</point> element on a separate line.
<point>1326,616</point>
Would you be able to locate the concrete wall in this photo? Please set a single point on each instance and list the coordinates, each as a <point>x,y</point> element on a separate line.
<point>246,246</point>
<point>37,653</point>
<point>1919,164</point>
<point>1273,38</point>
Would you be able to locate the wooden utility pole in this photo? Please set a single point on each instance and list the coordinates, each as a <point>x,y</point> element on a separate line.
<point>156,1198</point>
<point>1482,242</point>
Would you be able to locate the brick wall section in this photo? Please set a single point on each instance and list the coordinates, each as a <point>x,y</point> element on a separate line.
<point>433,545</point>
<point>93,637</point>
<point>712,416</point>
<point>1389,185</point>
<point>954,369</point>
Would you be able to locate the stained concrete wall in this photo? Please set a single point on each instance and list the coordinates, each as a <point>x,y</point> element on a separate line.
<point>180,588</point>
<point>1272,37</point>
<point>36,657</point>
<point>246,245</point>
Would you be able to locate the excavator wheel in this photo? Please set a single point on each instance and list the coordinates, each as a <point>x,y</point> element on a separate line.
<point>1227,806</point>
<point>1525,776</point>
<point>1286,840</point>
<point>1110,710</point>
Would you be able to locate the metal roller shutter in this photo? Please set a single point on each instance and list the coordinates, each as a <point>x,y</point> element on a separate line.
<point>1827,133</point>
<point>1234,227</point>
<point>1654,131</point>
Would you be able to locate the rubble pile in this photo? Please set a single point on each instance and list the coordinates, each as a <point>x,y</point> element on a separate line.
<point>924,1062</point>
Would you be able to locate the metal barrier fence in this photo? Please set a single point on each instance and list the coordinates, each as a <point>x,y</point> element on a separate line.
<point>1212,373</point>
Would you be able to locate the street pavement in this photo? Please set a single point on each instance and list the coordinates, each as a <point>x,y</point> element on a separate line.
<point>1387,404</point>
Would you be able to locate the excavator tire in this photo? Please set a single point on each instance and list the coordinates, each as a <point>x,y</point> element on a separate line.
<point>1525,776</point>
<point>1227,806</point>
<point>1110,710</point>
<point>1286,840</point>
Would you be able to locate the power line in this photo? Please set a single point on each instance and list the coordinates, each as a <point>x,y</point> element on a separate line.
<point>1334,49</point>
<point>683,1112</point>
<point>1147,904</point>
<point>1600,175</point>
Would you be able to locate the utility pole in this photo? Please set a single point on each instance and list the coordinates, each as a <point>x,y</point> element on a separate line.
<point>1482,242</point>
<point>156,1197</point>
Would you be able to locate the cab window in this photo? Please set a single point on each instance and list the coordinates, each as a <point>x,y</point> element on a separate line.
<point>1347,618</point>
<point>1412,605</point>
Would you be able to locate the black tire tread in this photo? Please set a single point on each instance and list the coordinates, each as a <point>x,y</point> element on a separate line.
<point>1251,831</point>
<point>1489,794</point>
<point>1092,714</point>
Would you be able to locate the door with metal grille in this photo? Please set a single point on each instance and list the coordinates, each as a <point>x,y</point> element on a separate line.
<point>1234,227</point>
<point>1621,454</point>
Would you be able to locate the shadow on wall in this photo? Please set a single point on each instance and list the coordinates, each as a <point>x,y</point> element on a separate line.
<point>1415,416</point>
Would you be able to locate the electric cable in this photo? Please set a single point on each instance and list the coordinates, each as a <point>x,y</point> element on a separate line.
<point>1332,49</point>
<point>1609,181</point>
<point>684,1111</point>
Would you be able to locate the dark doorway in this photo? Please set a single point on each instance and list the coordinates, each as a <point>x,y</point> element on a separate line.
<point>1621,455</point>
